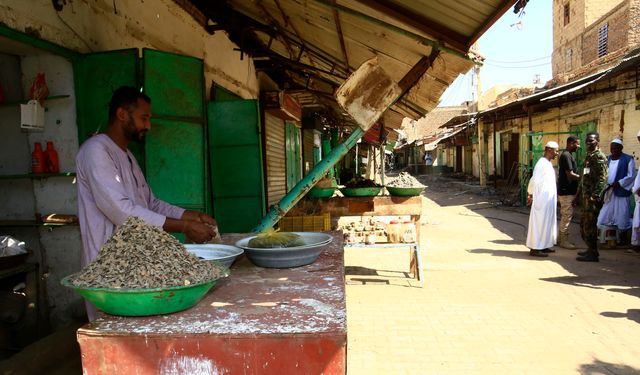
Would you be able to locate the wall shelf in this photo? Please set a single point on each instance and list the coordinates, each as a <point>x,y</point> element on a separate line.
<point>36,176</point>
<point>17,102</point>
<point>31,223</point>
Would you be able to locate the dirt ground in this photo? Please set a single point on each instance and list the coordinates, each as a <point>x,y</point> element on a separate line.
<point>487,307</point>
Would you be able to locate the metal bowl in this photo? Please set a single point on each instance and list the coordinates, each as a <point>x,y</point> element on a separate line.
<point>361,192</point>
<point>223,254</point>
<point>287,257</point>
<point>142,301</point>
<point>317,192</point>
<point>405,191</point>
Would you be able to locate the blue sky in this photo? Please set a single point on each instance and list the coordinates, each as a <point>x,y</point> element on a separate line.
<point>516,48</point>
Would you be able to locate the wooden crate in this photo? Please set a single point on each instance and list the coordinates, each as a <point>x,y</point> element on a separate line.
<point>317,223</point>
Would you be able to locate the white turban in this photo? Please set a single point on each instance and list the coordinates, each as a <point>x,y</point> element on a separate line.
<point>552,144</point>
<point>617,140</point>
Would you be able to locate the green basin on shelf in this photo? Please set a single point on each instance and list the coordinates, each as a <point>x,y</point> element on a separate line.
<point>361,192</point>
<point>141,301</point>
<point>317,192</point>
<point>405,192</point>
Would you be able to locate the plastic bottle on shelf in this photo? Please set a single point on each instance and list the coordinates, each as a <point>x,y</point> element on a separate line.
<point>52,161</point>
<point>408,232</point>
<point>393,231</point>
<point>38,159</point>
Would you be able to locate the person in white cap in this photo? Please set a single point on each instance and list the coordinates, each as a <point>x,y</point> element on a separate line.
<point>543,197</point>
<point>635,224</point>
<point>615,209</point>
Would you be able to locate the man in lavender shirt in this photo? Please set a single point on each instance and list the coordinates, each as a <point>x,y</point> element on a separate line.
<point>111,186</point>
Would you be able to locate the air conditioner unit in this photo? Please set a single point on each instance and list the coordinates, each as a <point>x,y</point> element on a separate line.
<point>282,105</point>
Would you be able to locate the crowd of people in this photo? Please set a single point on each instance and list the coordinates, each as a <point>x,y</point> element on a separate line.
<point>602,189</point>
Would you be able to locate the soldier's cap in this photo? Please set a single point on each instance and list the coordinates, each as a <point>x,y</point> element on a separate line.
<point>617,140</point>
<point>552,144</point>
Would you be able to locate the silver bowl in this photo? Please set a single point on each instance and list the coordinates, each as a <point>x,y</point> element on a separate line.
<point>223,254</point>
<point>287,257</point>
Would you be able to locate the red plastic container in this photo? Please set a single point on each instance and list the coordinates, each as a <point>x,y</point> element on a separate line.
<point>52,161</point>
<point>38,159</point>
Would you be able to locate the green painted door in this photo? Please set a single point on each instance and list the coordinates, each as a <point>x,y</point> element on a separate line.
<point>175,149</point>
<point>96,77</point>
<point>581,131</point>
<point>293,155</point>
<point>236,164</point>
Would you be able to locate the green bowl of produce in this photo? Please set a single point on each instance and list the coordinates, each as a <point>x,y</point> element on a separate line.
<point>317,192</point>
<point>142,301</point>
<point>405,191</point>
<point>361,191</point>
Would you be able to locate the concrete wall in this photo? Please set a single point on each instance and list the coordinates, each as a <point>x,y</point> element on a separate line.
<point>614,113</point>
<point>102,25</point>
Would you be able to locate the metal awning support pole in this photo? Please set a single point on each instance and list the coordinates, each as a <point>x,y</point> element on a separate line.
<point>294,195</point>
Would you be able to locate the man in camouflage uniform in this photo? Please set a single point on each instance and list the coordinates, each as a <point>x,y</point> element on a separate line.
<point>592,184</point>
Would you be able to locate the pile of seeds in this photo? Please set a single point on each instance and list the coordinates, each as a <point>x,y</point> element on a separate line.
<point>143,256</point>
<point>405,180</point>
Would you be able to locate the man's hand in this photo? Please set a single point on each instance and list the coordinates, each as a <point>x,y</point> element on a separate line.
<point>615,185</point>
<point>529,199</point>
<point>199,216</point>
<point>199,232</point>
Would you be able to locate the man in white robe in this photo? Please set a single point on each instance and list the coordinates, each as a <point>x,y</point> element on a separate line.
<point>111,186</point>
<point>615,210</point>
<point>543,197</point>
<point>635,224</point>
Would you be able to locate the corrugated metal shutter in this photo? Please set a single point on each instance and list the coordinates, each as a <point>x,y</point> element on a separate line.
<point>307,150</point>
<point>274,149</point>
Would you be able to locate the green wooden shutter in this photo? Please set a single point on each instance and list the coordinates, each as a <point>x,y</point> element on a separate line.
<point>96,77</point>
<point>236,164</point>
<point>175,149</point>
<point>293,157</point>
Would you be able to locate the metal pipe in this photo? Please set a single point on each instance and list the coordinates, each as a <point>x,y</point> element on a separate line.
<point>277,211</point>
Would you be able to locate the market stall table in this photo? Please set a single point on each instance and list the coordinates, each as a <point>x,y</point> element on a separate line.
<point>371,206</point>
<point>257,321</point>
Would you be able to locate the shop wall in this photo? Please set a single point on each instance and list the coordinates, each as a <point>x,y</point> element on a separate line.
<point>57,251</point>
<point>102,25</point>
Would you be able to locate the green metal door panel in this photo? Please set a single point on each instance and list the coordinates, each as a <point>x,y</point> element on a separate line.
<point>235,150</point>
<point>238,215</point>
<point>175,151</point>
<point>175,82</point>
<point>175,163</point>
<point>236,182</point>
<point>96,76</point>
<point>220,94</point>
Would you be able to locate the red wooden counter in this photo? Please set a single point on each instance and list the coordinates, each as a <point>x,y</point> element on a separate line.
<point>257,321</point>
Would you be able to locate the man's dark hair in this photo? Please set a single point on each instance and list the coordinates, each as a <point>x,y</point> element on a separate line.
<point>571,139</point>
<point>596,134</point>
<point>125,96</point>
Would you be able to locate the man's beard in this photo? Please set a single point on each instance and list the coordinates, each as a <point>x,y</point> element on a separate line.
<point>133,133</point>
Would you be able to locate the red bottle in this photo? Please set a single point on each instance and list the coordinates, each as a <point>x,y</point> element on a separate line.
<point>51,156</point>
<point>38,159</point>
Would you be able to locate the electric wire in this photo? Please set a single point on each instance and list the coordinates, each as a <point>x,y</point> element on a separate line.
<point>517,62</point>
<point>518,67</point>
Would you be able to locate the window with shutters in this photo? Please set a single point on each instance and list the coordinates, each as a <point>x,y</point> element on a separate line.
<point>567,14</point>
<point>603,36</point>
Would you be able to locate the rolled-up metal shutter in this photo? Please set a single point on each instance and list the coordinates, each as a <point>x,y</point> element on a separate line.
<point>274,149</point>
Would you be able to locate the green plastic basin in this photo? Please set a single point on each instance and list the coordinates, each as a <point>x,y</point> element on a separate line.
<point>361,192</point>
<point>405,192</point>
<point>321,192</point>
<point>141,301</point>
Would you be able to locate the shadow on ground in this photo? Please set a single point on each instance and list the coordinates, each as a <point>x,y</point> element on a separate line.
<point>616,272</point>
<point>598,367</point>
